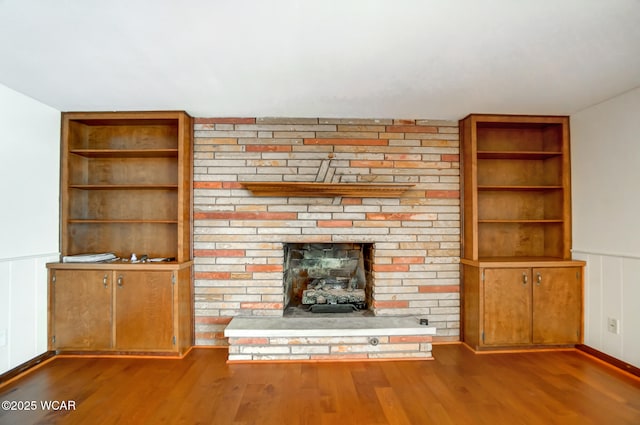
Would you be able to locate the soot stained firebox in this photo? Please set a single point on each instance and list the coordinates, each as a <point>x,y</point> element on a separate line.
<point>327,277</point>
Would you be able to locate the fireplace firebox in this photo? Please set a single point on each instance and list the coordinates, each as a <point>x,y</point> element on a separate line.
<point>327,277</point>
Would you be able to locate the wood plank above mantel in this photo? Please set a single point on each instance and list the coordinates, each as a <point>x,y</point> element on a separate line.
<point>314,189</point>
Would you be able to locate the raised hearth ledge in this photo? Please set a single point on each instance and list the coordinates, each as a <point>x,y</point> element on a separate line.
<point>243,327</point>
<point>253,339</point>
<point>313,189</point>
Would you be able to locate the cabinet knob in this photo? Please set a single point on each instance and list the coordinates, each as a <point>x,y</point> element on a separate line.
<point>105,280</point>
<point>539,279</point>
<point>525,278</point>
<point>120,281</point>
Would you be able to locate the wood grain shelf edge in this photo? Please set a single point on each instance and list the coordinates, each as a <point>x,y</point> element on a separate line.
<point>313,189</point>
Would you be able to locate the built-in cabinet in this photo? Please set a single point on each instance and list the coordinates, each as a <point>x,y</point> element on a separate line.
<point>520,286</point>
<point>125,189</point>
<point>121,309</point>
<point>514,305</point>
<point>81,309</point>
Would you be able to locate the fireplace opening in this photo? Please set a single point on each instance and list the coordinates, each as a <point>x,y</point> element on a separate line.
<point>327,277</point>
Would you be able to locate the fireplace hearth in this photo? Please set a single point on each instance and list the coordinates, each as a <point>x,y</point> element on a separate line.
<point>327,277</point>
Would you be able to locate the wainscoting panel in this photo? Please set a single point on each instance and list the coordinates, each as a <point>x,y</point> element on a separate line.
<point>612,291</point>
<point>23,309</point>
<point>631,310</point>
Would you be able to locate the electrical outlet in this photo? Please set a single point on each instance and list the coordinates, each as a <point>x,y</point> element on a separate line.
<point>3,337</point>
<point>613,325</point>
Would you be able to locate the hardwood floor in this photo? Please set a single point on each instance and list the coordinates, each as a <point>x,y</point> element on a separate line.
<point>458,387</point>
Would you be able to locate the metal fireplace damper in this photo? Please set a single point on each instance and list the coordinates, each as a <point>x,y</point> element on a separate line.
<point>327,278</point>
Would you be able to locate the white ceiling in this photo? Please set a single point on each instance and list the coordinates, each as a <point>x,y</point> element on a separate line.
<point>321,58</point>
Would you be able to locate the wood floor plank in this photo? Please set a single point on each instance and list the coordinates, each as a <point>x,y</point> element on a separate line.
<point>392,407</point>
<point>458,387</point>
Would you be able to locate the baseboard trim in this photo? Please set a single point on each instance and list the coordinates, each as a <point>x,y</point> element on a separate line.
<point>14,373</point>
<point>502,349</point>
<point>171,355</point>
<point>617,363</point>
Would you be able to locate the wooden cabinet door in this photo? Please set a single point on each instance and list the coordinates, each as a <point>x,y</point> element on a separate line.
<point>81,313</point>
<point>557,305</point>
<point>144,310</point>
<point>507,306</point>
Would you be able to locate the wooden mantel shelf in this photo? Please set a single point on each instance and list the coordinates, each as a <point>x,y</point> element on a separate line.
<point>308,189</point>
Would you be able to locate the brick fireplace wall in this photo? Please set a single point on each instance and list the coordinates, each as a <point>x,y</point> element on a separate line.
<point>239,237</point>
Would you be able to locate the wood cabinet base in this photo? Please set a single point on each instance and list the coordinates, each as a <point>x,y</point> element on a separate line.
<point>509,306</point>
<point>120,308</point>
<point>518,349</point>
<point>132,354</point>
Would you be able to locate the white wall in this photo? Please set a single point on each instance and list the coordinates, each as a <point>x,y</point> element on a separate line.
<point>29,217</point>
<point>605,144</point>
